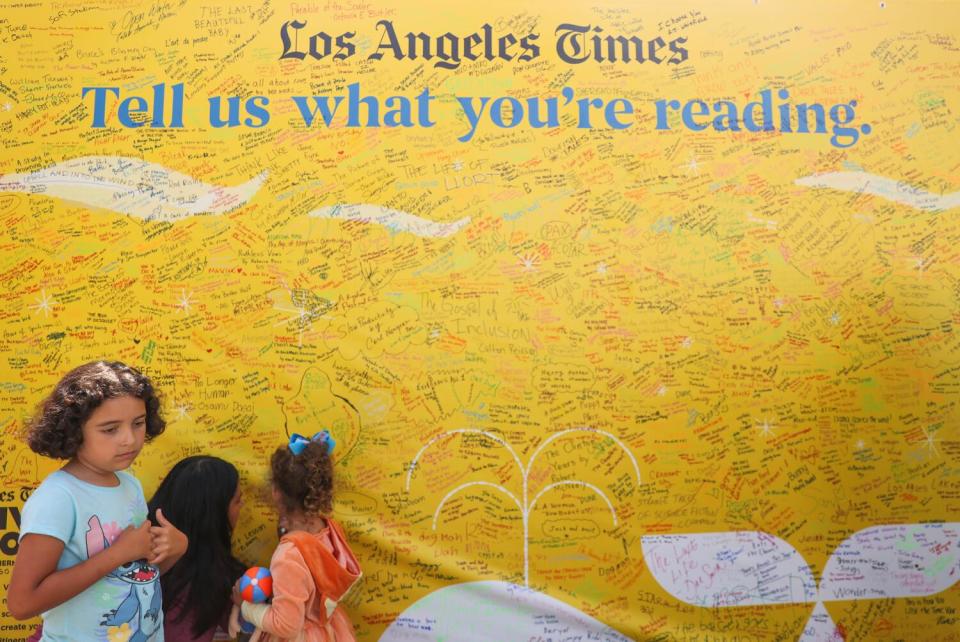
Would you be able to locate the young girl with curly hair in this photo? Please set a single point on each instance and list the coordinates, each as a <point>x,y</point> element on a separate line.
<point>313,568</point>
<point>89,559</point>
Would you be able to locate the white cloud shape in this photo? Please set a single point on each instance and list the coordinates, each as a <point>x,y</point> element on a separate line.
<point>132,186</point>
<point>888,188</point>
<point>394,220</point>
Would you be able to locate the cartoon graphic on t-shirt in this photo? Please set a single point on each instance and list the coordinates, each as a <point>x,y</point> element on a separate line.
<point>144,600</point>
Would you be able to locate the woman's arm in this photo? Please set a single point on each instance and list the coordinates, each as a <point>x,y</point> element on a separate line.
<point>37,586</point>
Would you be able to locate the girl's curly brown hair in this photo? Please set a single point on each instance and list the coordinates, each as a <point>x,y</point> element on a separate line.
<point>305,481</point>
<point>57,429</point>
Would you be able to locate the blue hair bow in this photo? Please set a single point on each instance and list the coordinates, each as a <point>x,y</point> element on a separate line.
<point>299,442</point>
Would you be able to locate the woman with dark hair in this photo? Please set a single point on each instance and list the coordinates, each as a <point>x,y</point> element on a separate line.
<point>201,497</point>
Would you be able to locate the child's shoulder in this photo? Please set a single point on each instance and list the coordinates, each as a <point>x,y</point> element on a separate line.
<point>57,482</point>
<point>128,479</point>
<point>131,486</point>
<point>61,484</point>
<point>285,547</point>
<point>53,498</point>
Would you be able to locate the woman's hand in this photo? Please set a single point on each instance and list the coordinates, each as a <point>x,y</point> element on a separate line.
<point>235,593</point>
<point>167,543</point>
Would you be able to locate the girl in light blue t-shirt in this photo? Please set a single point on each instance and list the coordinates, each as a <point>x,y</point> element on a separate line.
<point>89,560</point>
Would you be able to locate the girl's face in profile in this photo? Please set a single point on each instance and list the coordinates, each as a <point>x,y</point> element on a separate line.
<point>233,510</point>
<point>275,495</point>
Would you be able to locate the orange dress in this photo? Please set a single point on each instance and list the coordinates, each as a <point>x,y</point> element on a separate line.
<point>312,573</point>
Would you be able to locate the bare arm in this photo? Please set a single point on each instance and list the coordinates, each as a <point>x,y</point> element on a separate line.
<point>37,586</point>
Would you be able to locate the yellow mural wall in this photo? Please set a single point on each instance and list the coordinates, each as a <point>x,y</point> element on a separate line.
<point>640,372</point>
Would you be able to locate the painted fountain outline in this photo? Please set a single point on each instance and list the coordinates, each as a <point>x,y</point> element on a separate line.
<point>524,507</point>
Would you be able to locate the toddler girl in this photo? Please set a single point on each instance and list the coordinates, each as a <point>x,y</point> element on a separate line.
<point>313,568</point>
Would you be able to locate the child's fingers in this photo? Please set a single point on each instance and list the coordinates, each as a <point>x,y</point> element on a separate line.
<point>163,520</point>
<point>135,541</point>
<point>166,541</point>
<point>158,540</point>
<point>158,554</point>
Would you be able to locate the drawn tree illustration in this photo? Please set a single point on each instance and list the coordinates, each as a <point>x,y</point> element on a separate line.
<point>314,405</point>
<point>523,503</point>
